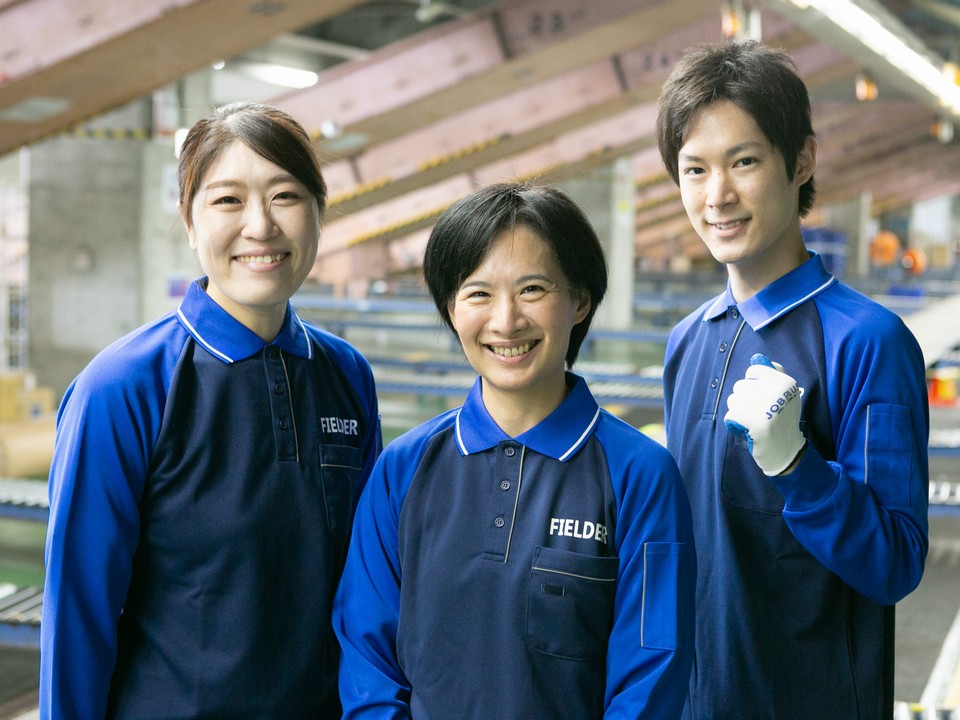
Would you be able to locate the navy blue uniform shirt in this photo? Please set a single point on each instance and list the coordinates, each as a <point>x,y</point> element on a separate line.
<point>798,573</point>
<point>544,576</point>
<point>202,490</point>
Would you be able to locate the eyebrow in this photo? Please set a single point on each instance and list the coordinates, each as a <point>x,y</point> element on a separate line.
<point>729,152</point>
<point>232,183</point>
<point>519,281</point>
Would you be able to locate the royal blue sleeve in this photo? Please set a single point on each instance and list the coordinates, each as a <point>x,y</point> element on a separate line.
<point>650,651</point>
<point>864,514</point>
<point>366,609</point>
<point>106,427</point>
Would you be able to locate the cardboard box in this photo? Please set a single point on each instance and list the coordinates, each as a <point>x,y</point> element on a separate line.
<point>36,403</point>
<point>12,383</point>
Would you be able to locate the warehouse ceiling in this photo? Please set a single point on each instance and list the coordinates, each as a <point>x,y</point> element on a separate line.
<point>417,101</point>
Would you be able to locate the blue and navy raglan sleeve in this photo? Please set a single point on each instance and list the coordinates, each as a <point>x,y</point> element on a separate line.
<point>650,651</point>
<point>366,610</point>
<point>864,515</point>
<point>106,428</point>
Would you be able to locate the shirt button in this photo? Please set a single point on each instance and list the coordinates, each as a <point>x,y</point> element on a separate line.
<point>278,389</point>
<point>283,424</point>
<point>735,313</point>
<point>714,383</point>
<point>271,352</point>
<point>504,484</point>
<point>509,452</point>
<point>723,347</point>
<point>499,522</point>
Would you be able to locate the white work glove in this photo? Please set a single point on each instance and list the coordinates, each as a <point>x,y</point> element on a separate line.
<point>764,409</point>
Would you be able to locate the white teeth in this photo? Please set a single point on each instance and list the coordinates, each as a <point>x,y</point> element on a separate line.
<point>727,225</point>
<point>261,259</point>
<point>513,351</point>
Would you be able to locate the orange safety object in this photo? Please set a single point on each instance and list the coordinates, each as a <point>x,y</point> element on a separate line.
<point>914,261</point>
<point>884,248</point>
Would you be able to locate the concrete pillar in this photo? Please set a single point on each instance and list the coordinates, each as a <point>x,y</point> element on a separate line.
<point>854,219</point>
<point>84,238</point>
<point>608,197</point>
<point>932,229</point>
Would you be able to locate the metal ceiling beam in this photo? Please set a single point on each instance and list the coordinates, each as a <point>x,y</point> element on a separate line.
<point>65,61</point>
<point>463,63</point>
<point>521,120</point>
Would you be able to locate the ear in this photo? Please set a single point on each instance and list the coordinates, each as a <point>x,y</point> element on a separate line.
<point>582,298</point>
<point>187,226</point>
<point>806,161</point>
<point>451,305</point>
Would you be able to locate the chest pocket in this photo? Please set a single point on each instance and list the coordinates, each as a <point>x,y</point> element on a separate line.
<point>570,603</point>
<point>339,472</point>
<point>743,484</point>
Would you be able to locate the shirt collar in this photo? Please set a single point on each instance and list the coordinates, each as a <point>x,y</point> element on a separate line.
<point>224,337</point>
<point>559,435</point>
<point>779,297</point>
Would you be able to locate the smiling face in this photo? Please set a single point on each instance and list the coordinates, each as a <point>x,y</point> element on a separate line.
<point>736,192</point>
<point>255,229</point>
<point>513,315</point>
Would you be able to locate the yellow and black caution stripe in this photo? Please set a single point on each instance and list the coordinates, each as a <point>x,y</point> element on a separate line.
<point>107,133</point>
<point>466,151</point>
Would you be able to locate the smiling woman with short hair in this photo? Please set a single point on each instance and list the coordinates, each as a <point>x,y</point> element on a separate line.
<point>527,555</point>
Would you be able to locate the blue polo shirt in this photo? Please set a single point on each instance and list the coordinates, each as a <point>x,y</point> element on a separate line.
<point>548,575</point>
<point>201,496</point>
<point>798,574</point>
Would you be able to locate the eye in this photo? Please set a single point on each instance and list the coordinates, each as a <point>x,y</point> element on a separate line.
<point>288,196</point>
<point>472,294</point>
<point>226,200</point>
<point>691,171</point>
<point>745,162</point>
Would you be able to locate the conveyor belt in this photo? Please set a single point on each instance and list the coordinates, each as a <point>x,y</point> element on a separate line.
<point>24,499</point>
<point>20,616</point>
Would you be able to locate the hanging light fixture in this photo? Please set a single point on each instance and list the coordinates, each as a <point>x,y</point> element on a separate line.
<point>866,88</point>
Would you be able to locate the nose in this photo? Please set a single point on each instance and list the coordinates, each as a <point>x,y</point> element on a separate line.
<point>719,190</point>
<point>258,223</point>
<point>506,315</point>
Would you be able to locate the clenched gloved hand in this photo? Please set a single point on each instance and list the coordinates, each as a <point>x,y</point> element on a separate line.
<point>764,409</point>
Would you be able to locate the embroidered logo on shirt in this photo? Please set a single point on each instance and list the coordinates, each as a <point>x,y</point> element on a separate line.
<point>568,527</point>
<point>344,426</point>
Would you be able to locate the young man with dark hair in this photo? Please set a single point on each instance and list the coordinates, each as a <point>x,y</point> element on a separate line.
<point>796,409</point>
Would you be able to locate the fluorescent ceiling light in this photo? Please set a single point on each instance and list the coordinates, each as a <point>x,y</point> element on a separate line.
<point>281,75</point>
<point>862,25</point>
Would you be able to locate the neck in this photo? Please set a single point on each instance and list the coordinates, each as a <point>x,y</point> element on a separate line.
<point>515,413</point>
<point>749,278</point>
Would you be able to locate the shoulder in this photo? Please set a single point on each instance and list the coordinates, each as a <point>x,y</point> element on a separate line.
<point>842,305</point>
<point>853,324</point>
<point>629,449</point>
<point>135,360</point>
<point>400,460</point>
